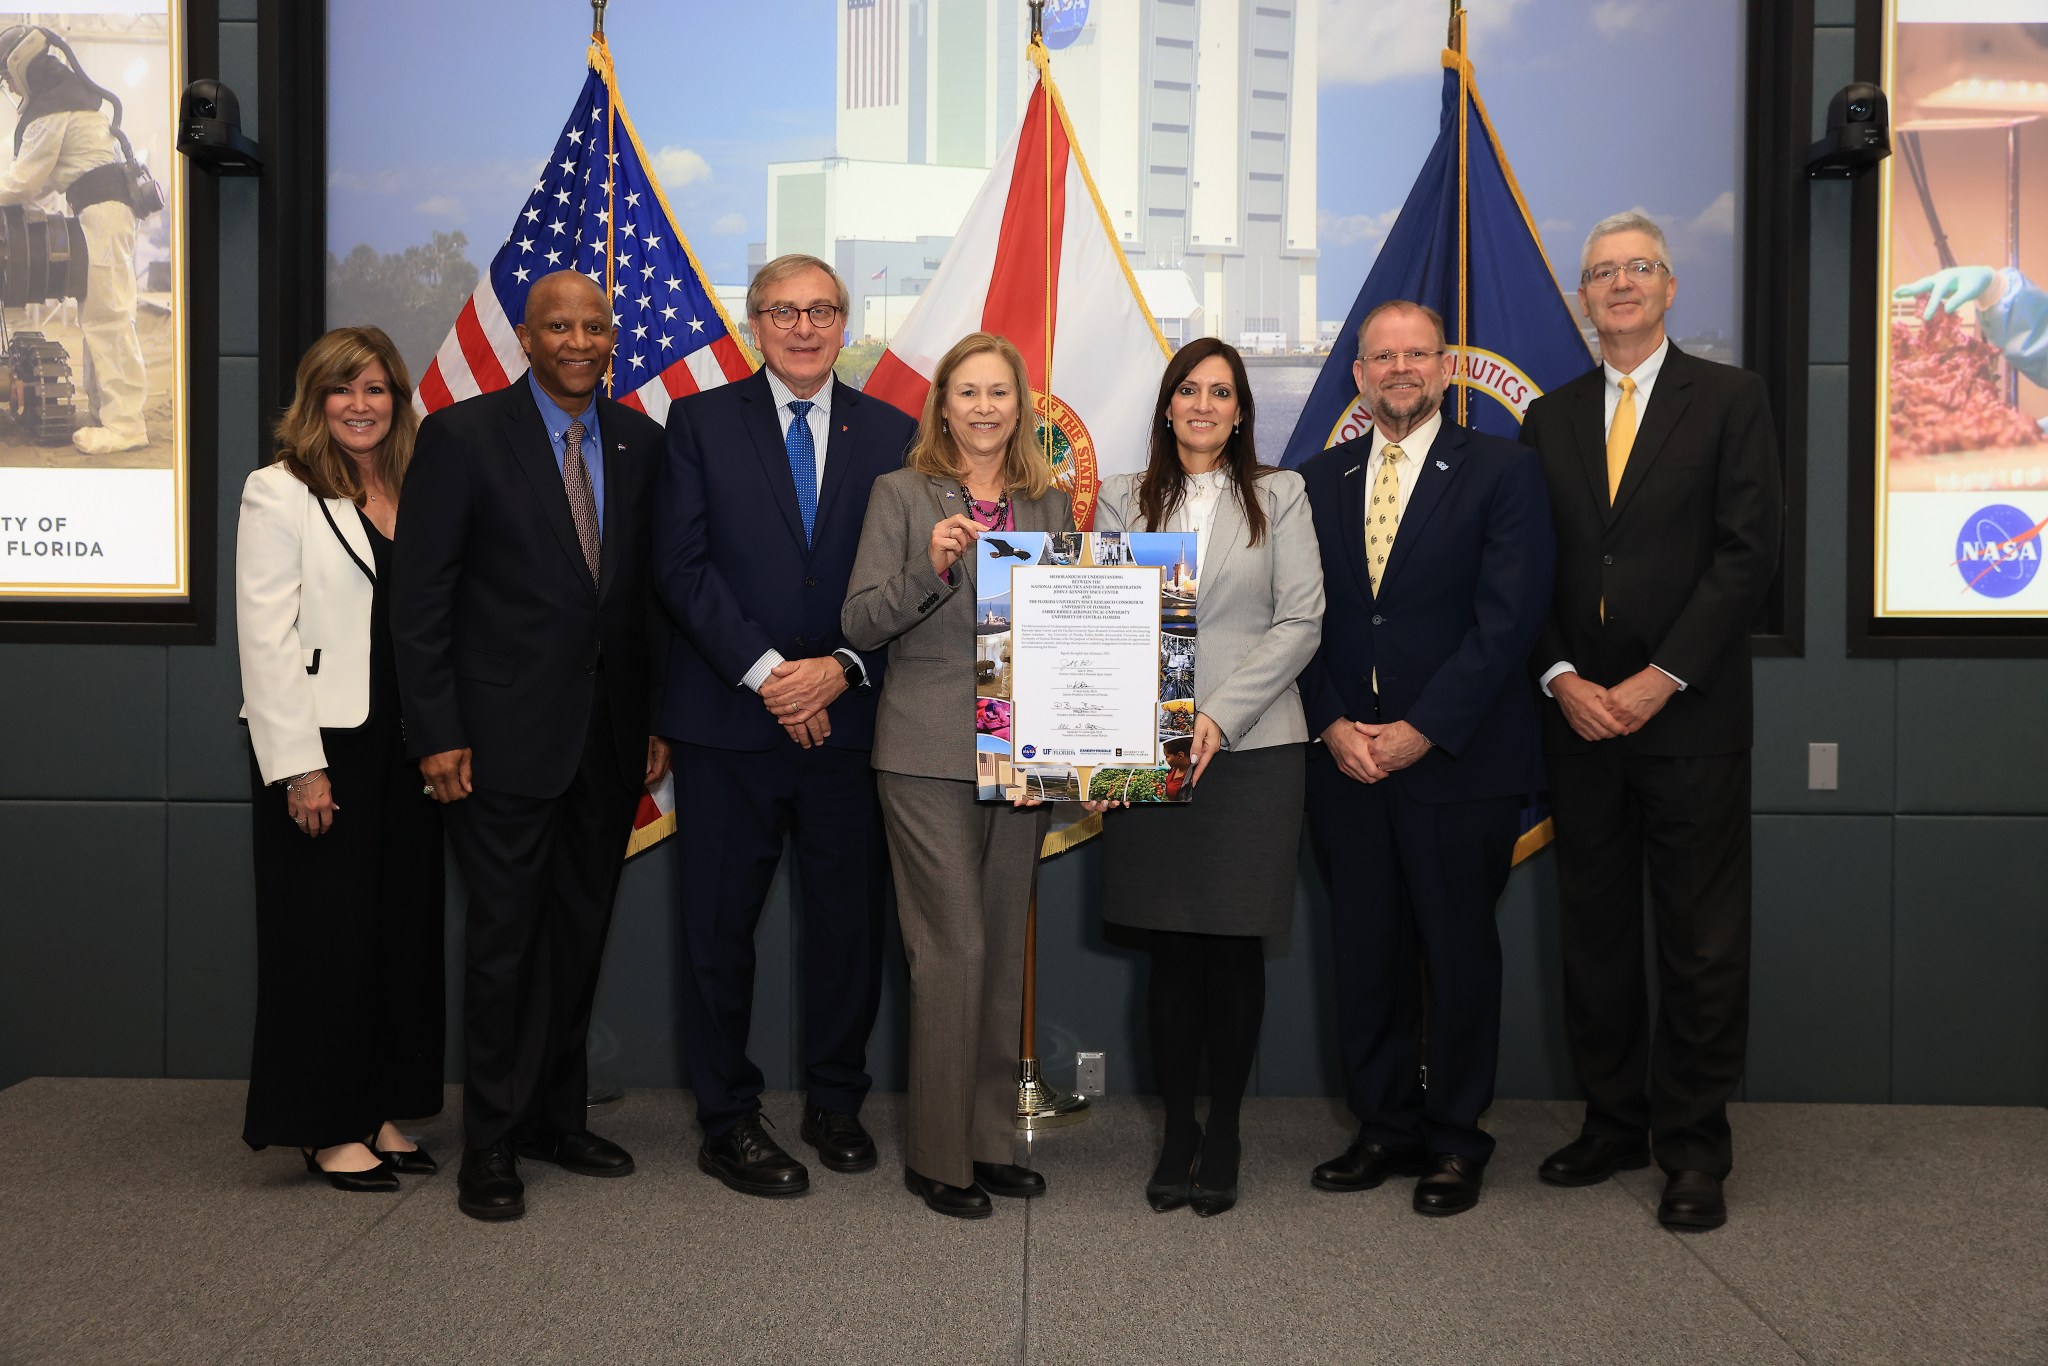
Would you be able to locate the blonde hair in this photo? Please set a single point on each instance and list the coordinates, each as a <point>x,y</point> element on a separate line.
<point>934,453</point>
<point>304,444</point>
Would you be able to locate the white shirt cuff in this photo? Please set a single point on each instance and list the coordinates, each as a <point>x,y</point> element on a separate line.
<point>763,666</point>
<point>1670,675</point>
<point>1561,667</point>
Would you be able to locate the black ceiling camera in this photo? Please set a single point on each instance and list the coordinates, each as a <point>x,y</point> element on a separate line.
<point>210,131</point>
<point>1859,134</point>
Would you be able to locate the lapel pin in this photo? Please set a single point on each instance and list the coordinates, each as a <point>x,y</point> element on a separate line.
<point>1353,470</point>
<point>1441,465</point>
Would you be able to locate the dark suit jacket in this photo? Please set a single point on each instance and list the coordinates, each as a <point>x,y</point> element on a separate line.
<point>1464,594</point>
<point>1683,558</point>
<point>503,642</point>
<point>732,567</point>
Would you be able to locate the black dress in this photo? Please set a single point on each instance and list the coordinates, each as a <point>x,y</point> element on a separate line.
<point>349,932</point>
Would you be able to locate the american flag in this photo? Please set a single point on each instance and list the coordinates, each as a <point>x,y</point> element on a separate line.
<point>874,31</point>
<point>596,208</point>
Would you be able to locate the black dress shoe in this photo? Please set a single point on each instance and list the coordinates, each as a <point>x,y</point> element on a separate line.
<point>1451,1187</point>
<point>1215,1185</point>
<point>1692,1200</point>
<point>583,1152</point>
<point>955,1202</point>
<point>1001,1178</point>
<point>750,1162</point>
<point>842,1144</point>
<point>409,1161</point>
<point>1165,1196</point>
<point>487,1185</point>
<point>1589,1159</point>
<point>377,1178</point>
<point>1364,1165</point>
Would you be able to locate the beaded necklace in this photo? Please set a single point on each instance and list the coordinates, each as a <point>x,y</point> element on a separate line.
<point>997,518</point>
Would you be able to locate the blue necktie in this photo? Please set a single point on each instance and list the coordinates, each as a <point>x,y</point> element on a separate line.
<point>803,464</point>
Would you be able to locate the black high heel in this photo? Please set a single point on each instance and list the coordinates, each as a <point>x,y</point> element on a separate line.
<point>377,1178</point>
<point>1209,1201</point>
<point>1167,1196</point>
<point>414,1161</point>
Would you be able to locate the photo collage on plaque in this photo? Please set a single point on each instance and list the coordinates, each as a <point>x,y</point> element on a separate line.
<point>999,775</point>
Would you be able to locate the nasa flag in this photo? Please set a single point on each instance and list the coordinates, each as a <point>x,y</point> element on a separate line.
<point>1465,245</point>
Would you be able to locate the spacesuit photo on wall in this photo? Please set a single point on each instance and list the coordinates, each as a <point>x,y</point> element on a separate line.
<point>94,474</point>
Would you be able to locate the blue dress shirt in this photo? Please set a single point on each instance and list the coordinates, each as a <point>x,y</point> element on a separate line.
<point>558,422</point>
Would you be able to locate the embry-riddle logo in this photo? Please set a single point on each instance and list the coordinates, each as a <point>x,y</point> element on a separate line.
<point>1489,372</point>
<point>1071,452</point>
<point>1998,550</point>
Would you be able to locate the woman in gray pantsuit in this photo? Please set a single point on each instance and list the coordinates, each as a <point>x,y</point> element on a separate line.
<point>964,868</point>
<point>1209,879</point>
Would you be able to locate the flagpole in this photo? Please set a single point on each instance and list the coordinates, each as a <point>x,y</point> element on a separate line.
<point>1040,1106</point>
<point>1457,45</point>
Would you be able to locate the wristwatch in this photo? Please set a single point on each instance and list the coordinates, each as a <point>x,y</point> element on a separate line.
<point>856,677</point>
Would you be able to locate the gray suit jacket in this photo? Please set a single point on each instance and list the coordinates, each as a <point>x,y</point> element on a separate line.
<point>1258,611</point>
<point>924,721</point>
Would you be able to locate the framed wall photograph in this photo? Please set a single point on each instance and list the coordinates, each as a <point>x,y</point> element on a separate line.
<point>1952,379</point>
<point>96,473</point>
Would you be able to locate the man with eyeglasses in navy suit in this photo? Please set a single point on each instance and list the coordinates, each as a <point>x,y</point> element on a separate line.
<point>759,512</point>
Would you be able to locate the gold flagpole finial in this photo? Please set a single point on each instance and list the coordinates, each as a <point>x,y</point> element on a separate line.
<point>1455,41</point>
<point>597,17</point>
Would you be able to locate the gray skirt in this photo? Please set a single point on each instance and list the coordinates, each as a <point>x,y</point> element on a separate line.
<point>1223,863</point>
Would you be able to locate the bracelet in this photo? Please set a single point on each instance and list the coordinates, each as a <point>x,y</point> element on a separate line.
<point>298,780</point>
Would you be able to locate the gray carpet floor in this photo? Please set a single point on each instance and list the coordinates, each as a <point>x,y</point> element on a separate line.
<point>134,1226</point>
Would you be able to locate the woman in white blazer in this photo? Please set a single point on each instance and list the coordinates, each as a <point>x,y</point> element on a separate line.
<point>347,847</point>
<point>1210,879</point>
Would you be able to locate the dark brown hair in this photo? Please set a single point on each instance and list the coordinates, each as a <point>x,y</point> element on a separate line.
<point>1161,490</point>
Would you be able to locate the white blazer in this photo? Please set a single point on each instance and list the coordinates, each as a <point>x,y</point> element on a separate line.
<point>303,590</point>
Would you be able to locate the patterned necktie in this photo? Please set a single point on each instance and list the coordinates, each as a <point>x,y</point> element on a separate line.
<point>582,502</point>
<point>1621,437</point>
<point>1383,515</point>
<point>803,463</point>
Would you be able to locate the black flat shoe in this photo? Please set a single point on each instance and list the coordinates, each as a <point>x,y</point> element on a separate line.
<point>1692,1200</point>
<point>582,1152</point>
<point>1366,1164</point>
<point>842,1144</point>
<point>1452,1186</point>
<point>377,1178</point>
<point>1589,1159</point>
<point>487,1185</point>
<point>409,1161</point>
<point>750,1162</point>
<point>1002,1178</point>
<point>955,1202</point>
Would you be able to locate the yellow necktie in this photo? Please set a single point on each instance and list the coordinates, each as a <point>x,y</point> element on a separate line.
<point>1382,516</point>
<point>1621,437</point>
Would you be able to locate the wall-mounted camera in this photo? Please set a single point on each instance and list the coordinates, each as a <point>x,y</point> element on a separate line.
<point>210,130</point>
<point>1859,134</point>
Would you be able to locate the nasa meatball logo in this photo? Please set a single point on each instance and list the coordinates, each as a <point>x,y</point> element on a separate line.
<point>1998,550</point>
<point>1030,751</point>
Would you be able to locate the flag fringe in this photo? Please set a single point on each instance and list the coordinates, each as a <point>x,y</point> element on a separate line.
<point>647,836</point>
<point>1041,59</point>
<point>1533,839</point>
<point>1072,837</point>
<point>1500,157</point>
<point>601,58</point>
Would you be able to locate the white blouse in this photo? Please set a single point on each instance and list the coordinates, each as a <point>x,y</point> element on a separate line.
<point>1199,497</point>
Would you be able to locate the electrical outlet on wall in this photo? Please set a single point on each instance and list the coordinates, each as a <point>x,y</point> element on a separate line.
<point>1090,1074</point>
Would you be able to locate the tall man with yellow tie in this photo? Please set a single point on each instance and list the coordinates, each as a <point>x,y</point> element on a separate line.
<point>1664,482</point>
<point>1437,554</point>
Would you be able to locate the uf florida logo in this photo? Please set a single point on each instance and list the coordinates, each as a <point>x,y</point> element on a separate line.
<point>1998,550</point>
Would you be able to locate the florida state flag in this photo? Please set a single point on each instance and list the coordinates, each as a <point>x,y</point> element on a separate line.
<point>1037,261</point>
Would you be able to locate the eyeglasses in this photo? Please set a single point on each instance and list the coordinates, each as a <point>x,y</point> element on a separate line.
<point>1389,357</point>
<point>1603,274</point>
<point>784,316</point>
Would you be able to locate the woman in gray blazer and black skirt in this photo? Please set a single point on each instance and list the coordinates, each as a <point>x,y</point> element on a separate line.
<point>964,868</point>
<point>1209,879</point>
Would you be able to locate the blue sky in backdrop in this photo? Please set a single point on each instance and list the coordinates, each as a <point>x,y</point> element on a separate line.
<point>439,114</point>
